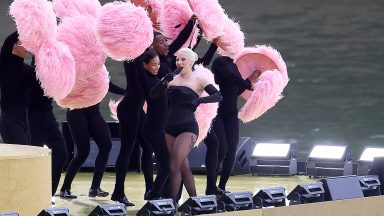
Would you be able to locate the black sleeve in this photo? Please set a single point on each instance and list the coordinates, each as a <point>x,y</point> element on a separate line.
<point>207,58</point>
<point>214,95</point>
<point>241,89</point>
<point>181,38</point>
<point>115,89</point>
<point>158,89</point>
<point>199,36</point>
<point>231,73</point>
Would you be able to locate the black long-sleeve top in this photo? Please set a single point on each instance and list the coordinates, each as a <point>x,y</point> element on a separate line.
<point>115,89</point>
<point>15,76</point>
<point>133,95</point>
<point>231,84</point>
<point>156,107</point>
<point>166,62</point>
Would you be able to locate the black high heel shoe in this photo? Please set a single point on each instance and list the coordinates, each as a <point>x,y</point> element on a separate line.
<point>150,195</point>
<point>216,191</point>
<point>97,192</point>
<point>67,194</point>
<point>122,199</point>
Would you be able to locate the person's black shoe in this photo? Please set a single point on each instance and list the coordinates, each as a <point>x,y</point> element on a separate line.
<point>151,196</point>
<point>97,192</point>
<point>215,191</point>
<point>123,200</point>
<point>67,194</point>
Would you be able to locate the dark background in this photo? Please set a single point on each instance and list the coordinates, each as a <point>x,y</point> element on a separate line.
<point>334,53</point>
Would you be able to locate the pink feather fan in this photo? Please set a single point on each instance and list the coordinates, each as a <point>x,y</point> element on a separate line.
<point>88,90</point>
<point>123,30</point>
<point>113,107</point>
<point>77,33</point>
<point>35,21</point>
<point>231,42</point>
<point>174,15</point>
<point>153,8</point>
<point>155,5</point>
<point>70,8</point>
<point>210,16</point>
<point>55,68</point>
<point>205,113</point>
<point>265,67</point>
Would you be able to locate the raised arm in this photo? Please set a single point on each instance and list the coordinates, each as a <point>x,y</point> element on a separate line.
<point>207,58</point>
<point>115,89</point>
<point>160,87</point>
<point>224,67</point>
<point>182,37</point>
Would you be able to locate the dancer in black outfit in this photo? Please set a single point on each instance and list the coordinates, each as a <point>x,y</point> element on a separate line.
<point>15,76</point>
<point>84,123</point>
<point>129,113</point>
<point>44,129</point>
<point>182,130</point>
<point>148,65</point>
<point>226,124</point>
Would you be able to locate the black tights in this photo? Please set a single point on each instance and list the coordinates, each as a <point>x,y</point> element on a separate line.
<point>44,129</point>
<point>156,139</point>
<point>211,160</point>
<point>226,128</point>
<point>146,159</point>
<point>130,119</point>
<point>179,148</point>
<point>84,123</point>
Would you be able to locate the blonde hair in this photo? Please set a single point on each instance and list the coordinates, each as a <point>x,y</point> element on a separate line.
<point>190,54</point>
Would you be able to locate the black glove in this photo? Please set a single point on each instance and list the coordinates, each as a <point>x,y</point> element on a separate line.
<point>214,95</point>
<point>168,77</point>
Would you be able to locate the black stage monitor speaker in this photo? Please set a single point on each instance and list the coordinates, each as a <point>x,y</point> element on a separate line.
<point>157,207</point>
<point>235,201</point>
<point>9,214</point>
<point>243,153</point>
<point>343,187</point>
<point>370,185</point>
<point>109,210</point>
<point>199,205</point>
<point>307,193</point>
<point>378,169</point>
<point>270,197</point>
<point>54,212</point>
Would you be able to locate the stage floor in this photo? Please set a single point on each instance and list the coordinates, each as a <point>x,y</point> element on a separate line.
<point>135,187</point>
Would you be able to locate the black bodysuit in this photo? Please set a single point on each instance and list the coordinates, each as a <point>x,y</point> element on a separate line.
<point>181,116</point>
<point>226,124</point>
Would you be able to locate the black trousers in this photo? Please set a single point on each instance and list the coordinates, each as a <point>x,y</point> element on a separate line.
<point>211,159</point>
<point>155,137</point>
<point>44,130</point>
<point>226,127</point>
<point>130,121</point>
<point>14,126</point>
<point>84,123</point>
